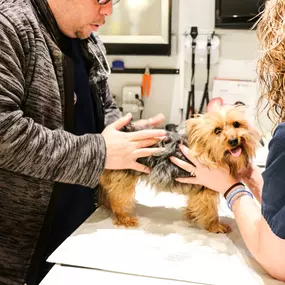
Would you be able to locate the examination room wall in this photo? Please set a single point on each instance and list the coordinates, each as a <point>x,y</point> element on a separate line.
<point>238,58</point>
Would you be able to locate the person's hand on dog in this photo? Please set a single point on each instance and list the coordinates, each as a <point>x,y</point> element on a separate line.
<point>123,149</point>
<point>149,123</point>
<point>254,182</point>
<point>218,179</point>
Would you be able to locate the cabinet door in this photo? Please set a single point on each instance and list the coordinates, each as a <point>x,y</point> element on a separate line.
<point>138,27</point>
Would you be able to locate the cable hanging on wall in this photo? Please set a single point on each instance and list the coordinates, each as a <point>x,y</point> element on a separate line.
<point>200,48</point>
<point>205,98</point>
<point>191,95</point>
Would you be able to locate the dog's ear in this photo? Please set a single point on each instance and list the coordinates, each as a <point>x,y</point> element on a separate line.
<point>215,105</point>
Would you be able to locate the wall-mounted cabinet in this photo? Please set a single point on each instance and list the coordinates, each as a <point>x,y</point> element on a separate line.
<point>138,27</point>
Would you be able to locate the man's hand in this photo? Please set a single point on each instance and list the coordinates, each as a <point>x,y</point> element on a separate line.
<point>123,149</point>
<point>149,123</point>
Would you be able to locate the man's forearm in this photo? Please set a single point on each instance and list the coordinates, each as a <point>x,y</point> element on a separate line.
<point>33,150</point>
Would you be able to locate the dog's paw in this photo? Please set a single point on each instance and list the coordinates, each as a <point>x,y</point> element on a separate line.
<point>219,228</point>
<point>189,216</point>
<point>126,221</point>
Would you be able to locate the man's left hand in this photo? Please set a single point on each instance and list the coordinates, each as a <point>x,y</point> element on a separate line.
<point>150,123</point>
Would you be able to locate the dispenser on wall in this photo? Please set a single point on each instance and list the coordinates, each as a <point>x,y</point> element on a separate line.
<point>132,101</point>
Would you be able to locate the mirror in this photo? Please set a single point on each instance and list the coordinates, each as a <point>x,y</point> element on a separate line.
<point>138,27</point>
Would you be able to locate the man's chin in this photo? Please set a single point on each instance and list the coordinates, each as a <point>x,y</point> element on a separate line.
<point>83,36</point>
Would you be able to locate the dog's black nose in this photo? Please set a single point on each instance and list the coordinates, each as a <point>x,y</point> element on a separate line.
<point>233,142</point>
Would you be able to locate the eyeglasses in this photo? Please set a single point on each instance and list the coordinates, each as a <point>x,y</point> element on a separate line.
<point>103,2</point>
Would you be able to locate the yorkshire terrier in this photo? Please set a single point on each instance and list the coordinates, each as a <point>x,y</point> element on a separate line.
<point>220,138</point>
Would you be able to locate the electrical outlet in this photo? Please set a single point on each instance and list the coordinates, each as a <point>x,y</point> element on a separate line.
<point>129,94</point>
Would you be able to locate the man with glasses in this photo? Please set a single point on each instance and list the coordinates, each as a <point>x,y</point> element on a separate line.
<point>59,128</point>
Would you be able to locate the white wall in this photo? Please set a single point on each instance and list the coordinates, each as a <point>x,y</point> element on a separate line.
<point>238,55</point>
<point>163,86</point>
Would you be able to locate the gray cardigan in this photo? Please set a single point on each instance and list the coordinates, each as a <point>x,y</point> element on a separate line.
<point>35,150</point>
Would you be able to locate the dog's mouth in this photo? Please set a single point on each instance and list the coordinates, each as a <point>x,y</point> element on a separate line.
<point>236,152</point>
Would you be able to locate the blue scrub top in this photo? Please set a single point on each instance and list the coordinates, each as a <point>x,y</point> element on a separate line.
<point>273,193</point>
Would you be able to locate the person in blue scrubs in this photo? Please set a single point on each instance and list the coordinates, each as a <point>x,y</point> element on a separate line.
<point>262,223</point>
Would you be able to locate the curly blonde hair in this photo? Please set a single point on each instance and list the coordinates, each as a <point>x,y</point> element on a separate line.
<point>271,64</point>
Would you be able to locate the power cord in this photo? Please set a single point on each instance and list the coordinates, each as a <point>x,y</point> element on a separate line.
<point>142,104</point>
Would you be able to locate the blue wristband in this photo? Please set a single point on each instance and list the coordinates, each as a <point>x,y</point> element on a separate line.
<point>236,197</point>
<point>236,191</point>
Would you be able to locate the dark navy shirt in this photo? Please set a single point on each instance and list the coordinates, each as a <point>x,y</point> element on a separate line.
<point>273,193</point>
<point>84,107</point>
<point>74,203</point>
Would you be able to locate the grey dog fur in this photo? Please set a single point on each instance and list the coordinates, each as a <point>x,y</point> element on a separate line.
<point>163,171</point>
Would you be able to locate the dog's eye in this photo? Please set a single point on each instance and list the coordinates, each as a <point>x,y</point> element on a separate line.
<point>217,131</point>
<point>236,124</point>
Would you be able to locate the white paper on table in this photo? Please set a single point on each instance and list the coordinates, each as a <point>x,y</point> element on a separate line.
<point>164,246</point>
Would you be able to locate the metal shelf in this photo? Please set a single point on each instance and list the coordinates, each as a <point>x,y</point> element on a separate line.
<point>142,70</point>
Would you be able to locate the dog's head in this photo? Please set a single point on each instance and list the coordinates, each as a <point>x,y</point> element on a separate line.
<point>223,138</point>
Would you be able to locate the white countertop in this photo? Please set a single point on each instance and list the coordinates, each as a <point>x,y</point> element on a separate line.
<point>65,275</point>
<point>164,247</point>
